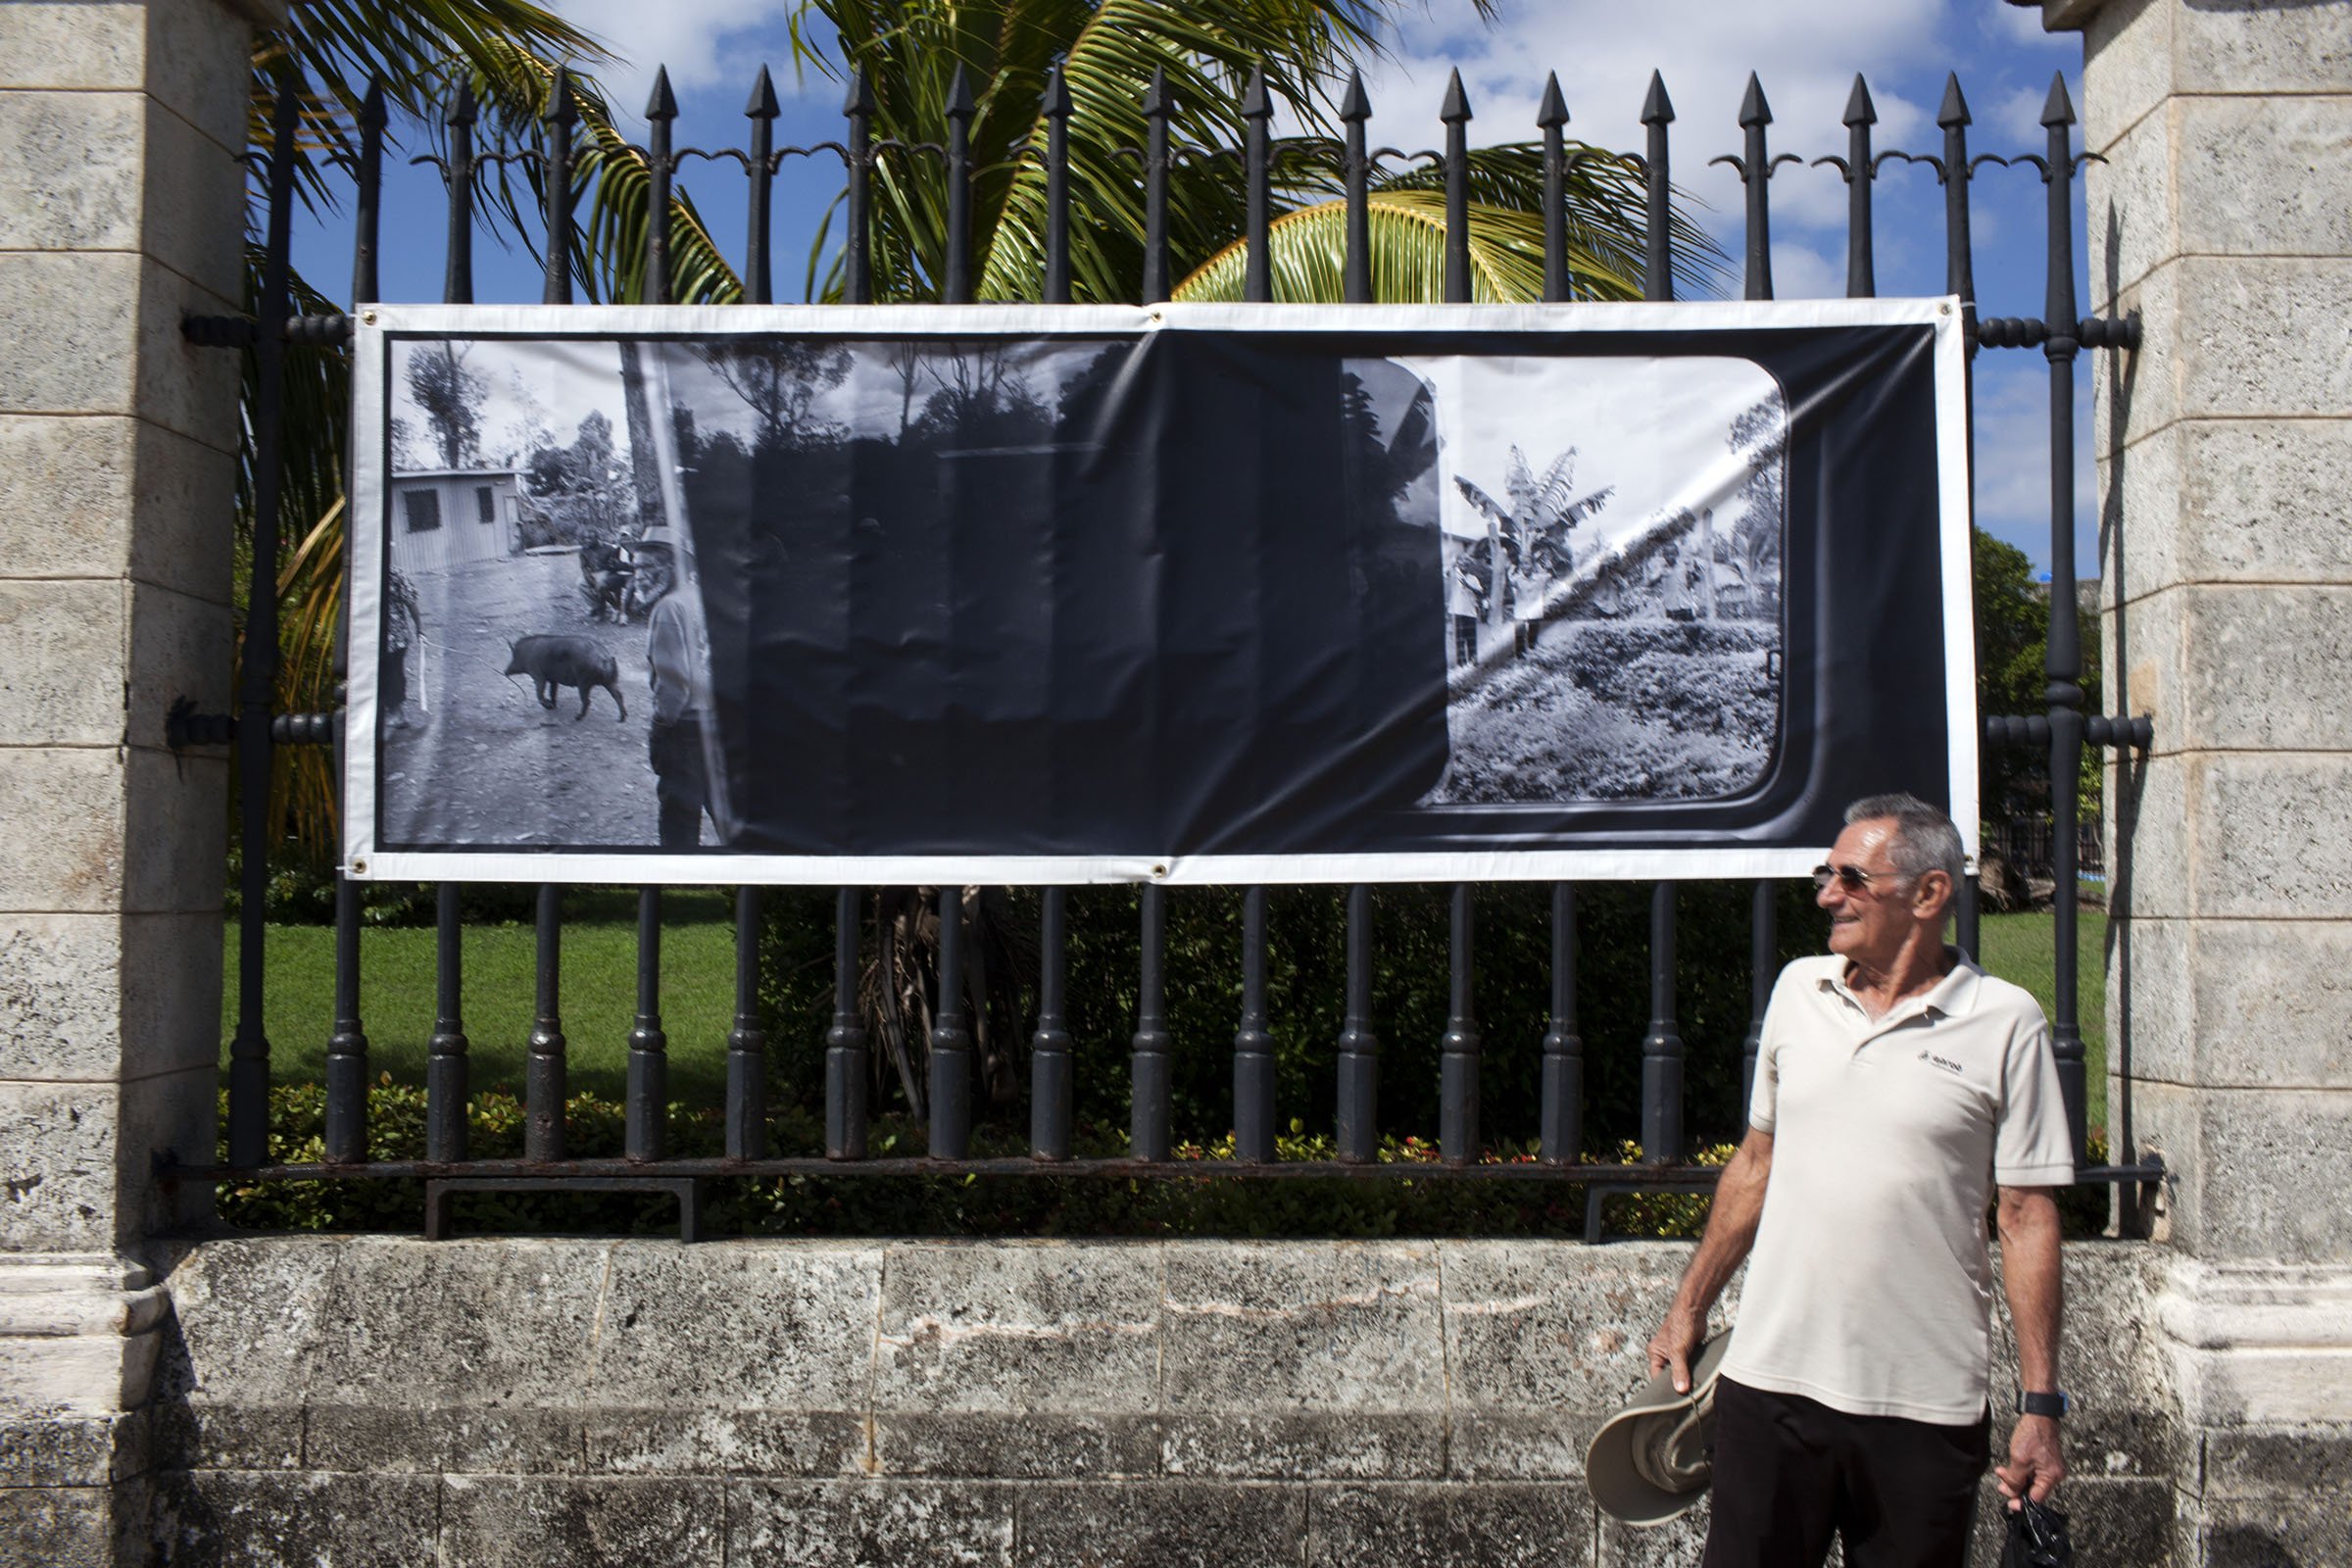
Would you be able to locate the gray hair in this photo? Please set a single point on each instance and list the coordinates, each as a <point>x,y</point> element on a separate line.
<point>1925,839</point>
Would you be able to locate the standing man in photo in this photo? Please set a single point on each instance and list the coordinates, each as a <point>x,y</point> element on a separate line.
<point>1900,1091</point>
<point>677,653</point>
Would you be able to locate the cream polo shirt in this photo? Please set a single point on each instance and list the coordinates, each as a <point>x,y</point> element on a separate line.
<point>1870,1285</point>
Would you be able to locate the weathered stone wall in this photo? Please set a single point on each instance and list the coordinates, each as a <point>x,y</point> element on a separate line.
<point>121,208</point>
<point>2223,216</point>
<point>1151,1403</point>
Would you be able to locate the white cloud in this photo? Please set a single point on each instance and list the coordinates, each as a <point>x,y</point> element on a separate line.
<point>703,42</point>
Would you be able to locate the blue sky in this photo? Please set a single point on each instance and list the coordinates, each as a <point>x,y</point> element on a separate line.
<point>1805,52</point>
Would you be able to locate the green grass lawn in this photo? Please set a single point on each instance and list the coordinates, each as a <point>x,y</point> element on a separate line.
<point>697,979</point>
<point>599,995</point>
<point>2023,949</point>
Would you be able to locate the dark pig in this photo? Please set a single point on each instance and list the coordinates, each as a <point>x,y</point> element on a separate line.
<point>558,658</point>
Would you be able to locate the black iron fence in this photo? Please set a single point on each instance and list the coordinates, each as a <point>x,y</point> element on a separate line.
<point>1663,1162</point>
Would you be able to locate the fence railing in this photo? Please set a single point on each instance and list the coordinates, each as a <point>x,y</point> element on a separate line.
<point>945,1095</point>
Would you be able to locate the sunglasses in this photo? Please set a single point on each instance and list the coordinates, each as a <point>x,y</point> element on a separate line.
<point>1852,878</point>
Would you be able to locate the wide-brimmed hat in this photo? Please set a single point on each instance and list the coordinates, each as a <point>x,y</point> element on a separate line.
<point>660,536</point>
<point>1652,1460</point>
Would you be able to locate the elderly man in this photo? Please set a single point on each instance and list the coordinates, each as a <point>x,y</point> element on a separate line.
<point>1897,1086</point>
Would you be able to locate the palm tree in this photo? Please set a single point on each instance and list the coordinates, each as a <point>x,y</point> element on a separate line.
<point>1109,55</point>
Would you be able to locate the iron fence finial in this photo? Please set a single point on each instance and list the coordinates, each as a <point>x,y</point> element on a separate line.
<point>1256,104</point>
<point>1859,109</point>
<point>2058,109</point>
<point>1754,110</point>
<point>1552,111</point>
<point>663,103</point>
<point>762,103</point>
<point>1954,111</point>
<point>560,110</point>
<point>1354,105</point>
<point>861,97</point>
<point>1656,108</point>
<point>1457,107</point>
<point>960,94</point>
<point>462,112</point>
<point>1057,92</point>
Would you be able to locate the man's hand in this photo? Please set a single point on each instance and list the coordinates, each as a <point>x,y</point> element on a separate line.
<point>2035,1466</point>
<point>1676,1342</point>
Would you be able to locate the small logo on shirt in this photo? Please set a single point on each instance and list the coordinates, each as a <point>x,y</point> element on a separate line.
<point>1945,1062</point>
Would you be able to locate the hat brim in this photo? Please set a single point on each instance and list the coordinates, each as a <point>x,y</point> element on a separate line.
<point>1616,1481</point>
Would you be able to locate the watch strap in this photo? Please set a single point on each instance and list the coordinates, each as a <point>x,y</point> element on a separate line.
<point>2051,1402</point>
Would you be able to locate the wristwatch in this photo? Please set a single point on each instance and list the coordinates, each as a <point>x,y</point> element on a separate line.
<point>2052,1403</point>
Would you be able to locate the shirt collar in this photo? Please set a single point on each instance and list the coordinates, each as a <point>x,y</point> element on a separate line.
<point>1952,997</point>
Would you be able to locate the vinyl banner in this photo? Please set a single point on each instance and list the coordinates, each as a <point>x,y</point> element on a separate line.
<point>1189,594</point>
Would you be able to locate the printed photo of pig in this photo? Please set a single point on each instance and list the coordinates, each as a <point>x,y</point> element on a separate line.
<point>555,660</point>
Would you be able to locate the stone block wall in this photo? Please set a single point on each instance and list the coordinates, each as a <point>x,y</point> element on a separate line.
<point>121,207</point>
<point>1149,1403</point>
<point>2220,216</point>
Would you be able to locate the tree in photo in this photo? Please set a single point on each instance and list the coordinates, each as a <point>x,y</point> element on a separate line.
<point>451,397</point>
<point>778,379</point>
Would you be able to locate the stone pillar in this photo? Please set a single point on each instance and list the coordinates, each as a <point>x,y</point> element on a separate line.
<point>2223,217</point>
<point>121,208</point>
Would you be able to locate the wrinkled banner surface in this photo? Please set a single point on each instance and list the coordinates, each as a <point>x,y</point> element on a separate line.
<point>1194,594</point>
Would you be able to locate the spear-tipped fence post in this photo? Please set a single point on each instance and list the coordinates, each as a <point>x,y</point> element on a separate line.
<point>1459,1048</point>
<point>1057,188</point>
<point>1253,1043</point>
<point>950,1039</point>
<point>1257,107</point>
<point>2063,660</point>
<point>1552,116</point>
<point>1959,265</point>
<point>1356,282</point>
<point>747,1042</point>
<point>445,1061</point>
<point>457,284</point>
<point>1561,1127</point>
<point>1861,275</point>
<point>761,109</point>
<point>661,113</point>
<point>1050,1084</point>
<point>1455,113</point>
<point>961,109</point>
<point>646,1096</point>
<point>1755,174</point>
<point>1657,267</point>
<point>369,200</point>
<point>249,1047</point>
<point>845,1042</point>
<point>1359,1047</point>
<point>545,1068</point>
<point>857,285</point>
<point>1148,1060</point>
<point>561,117</point>
<point>1662,1047</point>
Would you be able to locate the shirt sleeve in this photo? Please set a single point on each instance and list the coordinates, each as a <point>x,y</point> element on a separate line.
<point>2031,1146</point>
<point>665,656</point>
<point>1764,1100</point>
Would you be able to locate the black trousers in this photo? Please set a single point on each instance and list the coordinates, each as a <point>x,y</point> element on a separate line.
<point>682,785</point>
<point>1791,1472</point>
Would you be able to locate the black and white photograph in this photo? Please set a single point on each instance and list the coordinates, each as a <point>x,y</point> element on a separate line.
<point>1119,602</point>
<point>1612,534</point>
